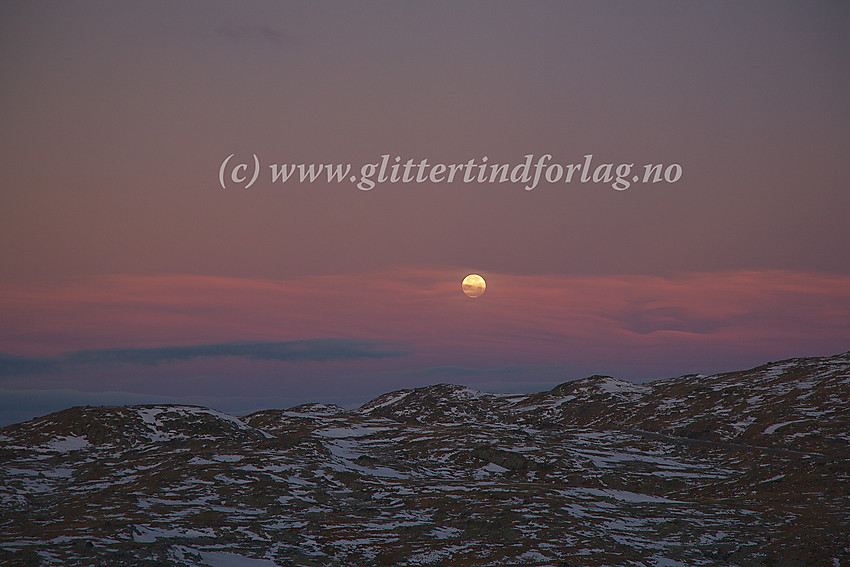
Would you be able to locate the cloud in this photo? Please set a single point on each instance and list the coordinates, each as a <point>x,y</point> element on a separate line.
<point>669,318</point>
<point>314,350</point>
<point>634,326</point>
<point>13,365</point>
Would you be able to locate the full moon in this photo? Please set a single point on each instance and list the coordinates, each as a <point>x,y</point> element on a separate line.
<point>473,285</point>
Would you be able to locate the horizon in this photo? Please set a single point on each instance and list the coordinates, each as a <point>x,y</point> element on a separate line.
<point>359,405</point>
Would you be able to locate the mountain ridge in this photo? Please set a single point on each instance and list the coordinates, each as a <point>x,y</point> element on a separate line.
<point>748,468</point>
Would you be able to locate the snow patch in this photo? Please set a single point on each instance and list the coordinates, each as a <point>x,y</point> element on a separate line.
<point>144,534</point>
<point>227,559</point>
<point>228,458</point>
<point>614,386</point>
<point>772,429</point>
<point>625,496</point>
<point>67,443</point>
<point>390,400</point>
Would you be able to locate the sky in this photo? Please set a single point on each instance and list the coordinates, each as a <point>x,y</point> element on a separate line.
<point>141,264</point>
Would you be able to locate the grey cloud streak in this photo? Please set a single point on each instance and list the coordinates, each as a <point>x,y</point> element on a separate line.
<point>313,350</point>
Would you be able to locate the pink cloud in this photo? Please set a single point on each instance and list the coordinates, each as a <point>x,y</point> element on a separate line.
<point>590,320</point>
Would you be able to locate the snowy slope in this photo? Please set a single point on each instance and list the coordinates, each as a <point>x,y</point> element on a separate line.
<point>746,468</point>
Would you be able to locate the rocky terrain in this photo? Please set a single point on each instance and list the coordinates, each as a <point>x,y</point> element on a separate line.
<point>747,468</point>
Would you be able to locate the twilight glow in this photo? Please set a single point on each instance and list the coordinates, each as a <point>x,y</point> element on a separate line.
<point>137,266</point>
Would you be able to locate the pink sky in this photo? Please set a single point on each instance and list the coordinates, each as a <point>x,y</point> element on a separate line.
<point>692,322</point>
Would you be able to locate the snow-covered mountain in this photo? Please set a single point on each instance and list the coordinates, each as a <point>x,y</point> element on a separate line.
<point>746,468</point>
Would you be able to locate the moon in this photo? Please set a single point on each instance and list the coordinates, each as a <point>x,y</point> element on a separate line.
<point>473,285</point>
